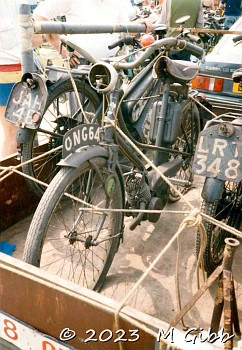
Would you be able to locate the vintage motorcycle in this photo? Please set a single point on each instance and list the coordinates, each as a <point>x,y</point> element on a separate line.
<point>218,157</point>
<point>79,222</point>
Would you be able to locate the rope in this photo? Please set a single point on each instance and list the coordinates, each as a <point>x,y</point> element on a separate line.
<point>193,219</point>
<point>222,225</point>
<point>201,105</point>
<point>10,172</point>
<point>11,169</point>
<point>76,91</point>
<point>91,207</point>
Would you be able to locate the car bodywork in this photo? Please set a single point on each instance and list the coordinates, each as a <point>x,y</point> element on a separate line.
<point>215,75</point>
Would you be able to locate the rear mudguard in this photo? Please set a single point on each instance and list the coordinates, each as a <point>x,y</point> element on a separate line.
<point>212,189</point>
<point>86,153</point>
<point>24,135</point>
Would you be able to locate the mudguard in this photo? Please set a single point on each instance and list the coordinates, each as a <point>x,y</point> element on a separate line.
<point>83,154</point>
<point>212,189</point>
<point>86,153</point>
<point>24,135</point>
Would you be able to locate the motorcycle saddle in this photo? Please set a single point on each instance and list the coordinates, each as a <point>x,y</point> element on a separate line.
<point>178,69</point>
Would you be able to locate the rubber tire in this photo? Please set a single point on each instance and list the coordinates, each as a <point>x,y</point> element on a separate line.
<point>27,151</point>
<point>39,225</point>
<point>211,208</point>
<point>208,208</point>
<point>172,197</point>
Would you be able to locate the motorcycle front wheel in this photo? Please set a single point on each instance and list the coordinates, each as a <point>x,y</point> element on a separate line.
<point>186,142</point>
<point>68,241</point>
<point>227,209</point>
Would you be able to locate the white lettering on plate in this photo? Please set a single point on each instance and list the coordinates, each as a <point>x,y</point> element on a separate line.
<point>219,144</point>
<point>200,146</point>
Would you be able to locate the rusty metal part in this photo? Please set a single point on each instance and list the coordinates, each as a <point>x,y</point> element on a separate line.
<point>229,253</point>
<point>218,307</point>
<point>225,297</point>
<point>225,129</point>
<point>228,326</point>
<point>197,296</point>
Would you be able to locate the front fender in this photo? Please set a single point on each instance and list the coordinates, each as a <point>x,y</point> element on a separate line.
<point>24,135</point>
<point>86,153</point>
<point>212,189</point>
<point>83,154</point>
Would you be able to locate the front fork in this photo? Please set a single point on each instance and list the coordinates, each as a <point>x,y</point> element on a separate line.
<point>23,135</point>
<point>114,98</point>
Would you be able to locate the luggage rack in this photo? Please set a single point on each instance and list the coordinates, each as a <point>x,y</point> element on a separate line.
<point>235,118</point>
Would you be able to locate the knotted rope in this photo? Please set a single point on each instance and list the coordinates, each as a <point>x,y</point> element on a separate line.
<point>192,220</point>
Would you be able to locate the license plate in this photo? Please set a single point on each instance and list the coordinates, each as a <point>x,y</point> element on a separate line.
<point>81,135</point>
<point>237,87</point>
<point>25,337</point>
<point>26,105</point>
<point>217,156</point>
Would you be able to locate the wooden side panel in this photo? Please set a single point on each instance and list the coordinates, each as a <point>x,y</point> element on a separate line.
<point>16,200</point>
<point>50,304</point>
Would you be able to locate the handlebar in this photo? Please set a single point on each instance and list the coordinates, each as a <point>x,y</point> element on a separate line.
<point>237,38</point>
<point>195,39</point>
<point>194,50</point>
<point>167,43</point>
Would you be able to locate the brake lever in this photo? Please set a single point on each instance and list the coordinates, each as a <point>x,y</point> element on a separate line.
<point>60,47</point>
<point>203,57</point>
<point>238,42</point>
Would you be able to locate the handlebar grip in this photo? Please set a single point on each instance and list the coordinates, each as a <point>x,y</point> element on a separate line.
<point>237,38</point>
<point>115,44</point>
<point>194,50</point>
<point>194,38</point>
<point>128,40</point>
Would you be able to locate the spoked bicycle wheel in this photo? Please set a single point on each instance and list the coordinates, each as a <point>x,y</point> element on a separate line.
<point>186,142</point>
<point>229,210</point>
<point>68,241</point>
<point>62,113</point>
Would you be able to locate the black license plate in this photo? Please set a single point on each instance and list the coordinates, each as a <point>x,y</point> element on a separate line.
<point>218,156</point>
<point>26,105</point>
<point>81,135</point>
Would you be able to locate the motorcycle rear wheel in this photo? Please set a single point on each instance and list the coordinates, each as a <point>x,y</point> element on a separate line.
<point>58,118</point>
<point>228,209</point>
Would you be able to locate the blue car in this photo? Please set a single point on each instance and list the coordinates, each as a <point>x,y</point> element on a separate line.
<point>215,75</point>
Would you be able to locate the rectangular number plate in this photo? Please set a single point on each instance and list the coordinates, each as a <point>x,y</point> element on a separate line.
<point>26,105</point>
<point>26,337</point>
<point>218,156</point>
<point>81,135</point>
<point>237,87</point>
